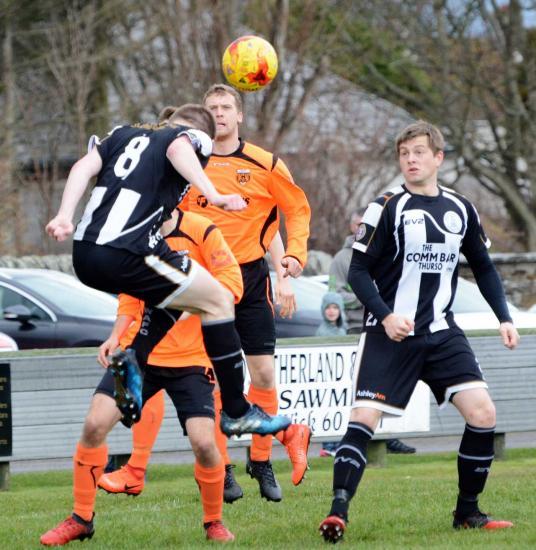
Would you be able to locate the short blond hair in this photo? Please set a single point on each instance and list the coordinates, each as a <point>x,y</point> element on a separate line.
<point>422,128</point>
<point>220,89</point>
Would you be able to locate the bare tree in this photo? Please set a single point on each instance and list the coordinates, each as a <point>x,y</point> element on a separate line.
<point>470,67</point>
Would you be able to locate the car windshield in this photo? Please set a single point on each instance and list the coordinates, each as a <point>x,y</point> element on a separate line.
<point>469,300</point>
<point>70,295</point>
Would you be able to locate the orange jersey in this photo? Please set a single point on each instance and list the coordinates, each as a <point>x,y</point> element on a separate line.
<point>265,183</point>
<point>183,344</point>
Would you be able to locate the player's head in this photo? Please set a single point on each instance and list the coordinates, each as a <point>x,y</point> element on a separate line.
<point>420,153</point>
<point>434,136</point>
<point>225,103</point>
<point>194,115</point>
<point>166,112</point>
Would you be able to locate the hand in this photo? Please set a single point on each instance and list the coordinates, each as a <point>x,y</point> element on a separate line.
<point>106,349</point>
<point>397,327</point>
<point>292,267</point>
<point>233,203</point>
<point>59,228</point>
<point>509,334</point>
<point>285,298</point>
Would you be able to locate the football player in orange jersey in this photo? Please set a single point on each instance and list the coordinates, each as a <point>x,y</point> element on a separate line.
<point>180,365</point>
<point>257,330</point>
<point>266,185</point>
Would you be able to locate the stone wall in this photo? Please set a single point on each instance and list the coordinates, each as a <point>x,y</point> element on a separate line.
<point>518,273</point>
<point>59,262</point>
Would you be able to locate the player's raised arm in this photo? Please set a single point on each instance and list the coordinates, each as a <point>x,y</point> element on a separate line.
<point>61,226</point>
<point>183,158</point>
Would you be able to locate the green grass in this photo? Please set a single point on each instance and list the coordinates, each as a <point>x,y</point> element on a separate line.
<point>405,505</point>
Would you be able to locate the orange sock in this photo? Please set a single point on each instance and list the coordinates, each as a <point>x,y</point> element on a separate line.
<point>89,465</point>
<point>145,432</point>
<point>221,438</point>
<point>261,446</point>
<point>210,481</point>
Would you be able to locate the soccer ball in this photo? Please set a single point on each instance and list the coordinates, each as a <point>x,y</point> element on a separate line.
<point>249,63</point>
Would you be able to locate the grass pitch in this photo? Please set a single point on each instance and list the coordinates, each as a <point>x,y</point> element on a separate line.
<point>408,504</point>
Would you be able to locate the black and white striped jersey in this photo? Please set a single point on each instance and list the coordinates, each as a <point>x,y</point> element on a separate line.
<point>413,244</point>
<point>137,186</point>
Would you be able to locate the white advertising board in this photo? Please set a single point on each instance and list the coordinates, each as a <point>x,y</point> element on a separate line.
<point>315,388</point>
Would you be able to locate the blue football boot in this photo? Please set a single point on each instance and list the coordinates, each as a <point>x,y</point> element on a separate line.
<point>255,421</point>
<point>128,385</point>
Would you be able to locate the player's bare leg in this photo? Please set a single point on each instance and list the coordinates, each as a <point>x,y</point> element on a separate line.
<point>215,304</point>
<point>348,467</point>
<point>474,459</point>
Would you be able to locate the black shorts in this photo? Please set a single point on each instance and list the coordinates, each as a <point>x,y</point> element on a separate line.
<point>254,314</point>
<point>190,389</point>
<point>156,279</point>
<point>387,372</point>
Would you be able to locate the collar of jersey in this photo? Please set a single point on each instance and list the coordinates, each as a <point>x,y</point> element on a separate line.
<point>237,150</point>
<point>425,197</point>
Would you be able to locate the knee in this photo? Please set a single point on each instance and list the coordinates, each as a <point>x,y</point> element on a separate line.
<point>205,451</point>
<point>368,417</point>
<point>94,432</point>
<point>262,376</point>
<point>482,415</point>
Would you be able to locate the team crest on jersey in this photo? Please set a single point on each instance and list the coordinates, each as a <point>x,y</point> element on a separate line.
<point>361,232</point>
<point>452,221</point>
<point>243,176</point>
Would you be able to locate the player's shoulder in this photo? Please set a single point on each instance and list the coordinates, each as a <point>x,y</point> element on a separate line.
<point>454,195</point>
<point>258,155</point>
<point>381,204</point>
<point>195,220</point>
<point>390,196</point>
<point>465,206</point>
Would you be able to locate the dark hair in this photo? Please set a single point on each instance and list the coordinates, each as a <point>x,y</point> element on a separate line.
<point>166,112</point>
<point>220,89</point>
<point>195,115</point>
<point>422,128</point>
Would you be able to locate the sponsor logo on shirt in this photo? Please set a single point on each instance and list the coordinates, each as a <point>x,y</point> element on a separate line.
<point>220,258</point>
<point>202,201</point>
<point>432,258</point>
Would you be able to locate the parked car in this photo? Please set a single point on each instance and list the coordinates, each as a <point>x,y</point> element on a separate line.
<point>471,311</point>
<point>7,343</point>
<point>308,316</point>
<point>43,308</point>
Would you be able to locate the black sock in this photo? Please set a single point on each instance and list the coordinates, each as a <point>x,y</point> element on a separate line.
<point>155,324</point>
<point>225,352</point>
<point>348,467</point>
<point>474,461</point>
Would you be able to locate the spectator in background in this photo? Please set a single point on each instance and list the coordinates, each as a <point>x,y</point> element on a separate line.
<point>338,277</point>
<point>338,282</point>
<point>333,318</point>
